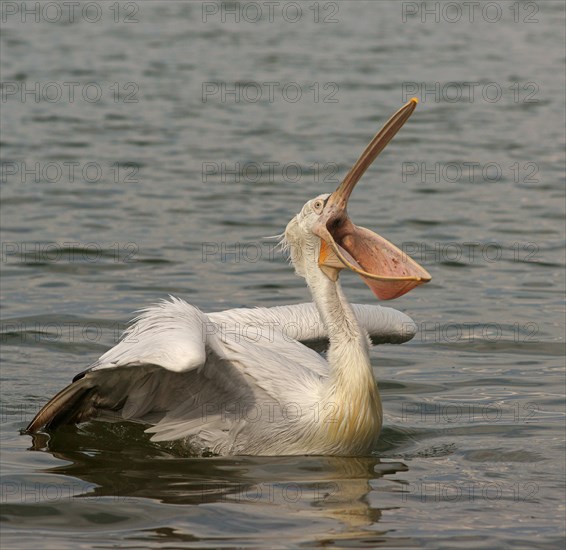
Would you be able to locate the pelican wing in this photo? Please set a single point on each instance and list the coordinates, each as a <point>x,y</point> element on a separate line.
<point>277,374</point>
<point>189,374</point>
<point>158,363</point>
<point>178,405</point>
<point>302,322</point>
<point>174,370</point>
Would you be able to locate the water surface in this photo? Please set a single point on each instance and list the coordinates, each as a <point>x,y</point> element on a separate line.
<point>166,198</point>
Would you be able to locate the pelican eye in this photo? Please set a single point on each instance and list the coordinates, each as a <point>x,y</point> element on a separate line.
<point>318,206</point>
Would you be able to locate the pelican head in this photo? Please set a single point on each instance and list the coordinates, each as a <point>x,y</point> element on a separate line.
<point>323,235</point>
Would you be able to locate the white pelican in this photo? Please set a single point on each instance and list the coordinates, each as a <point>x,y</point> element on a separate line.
<point>202,378</point>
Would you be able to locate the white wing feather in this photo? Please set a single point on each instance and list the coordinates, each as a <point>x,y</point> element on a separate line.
<point>182,371</point>
<point>169,334</point>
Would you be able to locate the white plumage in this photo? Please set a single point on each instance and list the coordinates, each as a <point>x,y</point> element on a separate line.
<point>251,381</point>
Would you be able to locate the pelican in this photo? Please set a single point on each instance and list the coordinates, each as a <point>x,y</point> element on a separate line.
<point>223,390</point>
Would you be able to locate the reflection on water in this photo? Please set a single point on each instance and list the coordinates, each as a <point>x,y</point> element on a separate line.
<point>96,466</point>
